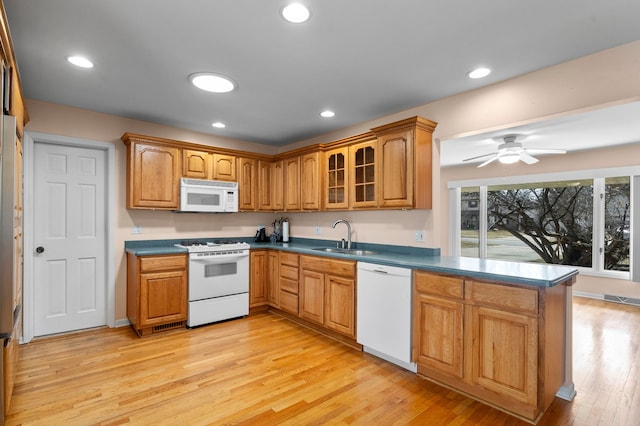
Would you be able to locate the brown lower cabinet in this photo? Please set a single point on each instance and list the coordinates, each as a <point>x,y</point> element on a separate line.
<point>258,268</point>
<point>318,291</point>
<point>500,344</point>
<point>287,279</point>
<point>156,292</point>
<point>328,293</point>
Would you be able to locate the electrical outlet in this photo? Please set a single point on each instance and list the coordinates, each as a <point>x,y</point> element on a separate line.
<point>318,230</point>
<point>419,235</point>
<point>137,229</point>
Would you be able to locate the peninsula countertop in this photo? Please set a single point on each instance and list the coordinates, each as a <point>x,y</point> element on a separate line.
<point>427,259</point>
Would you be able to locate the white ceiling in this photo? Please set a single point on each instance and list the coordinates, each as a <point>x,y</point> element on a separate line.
<point>361,58</point>
<point>615,125</point>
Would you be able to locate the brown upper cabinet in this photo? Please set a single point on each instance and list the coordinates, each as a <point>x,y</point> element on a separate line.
<point>336,194</point>
<point>196,164</point>
<point>265,187</point>
<point>363,174</point>
<point>11,84</point>
<point>405,163</point>
<point>153,175</point>
<point>350,176</point>
<point>206,165</point>
<point>300,180</point>
<point>270,185</point>
<point>292,183</point>
<point>247,183</point>
<point>277,185</point>
<point>224,167</point>
<point>387,168</point>
<point>310,187</point>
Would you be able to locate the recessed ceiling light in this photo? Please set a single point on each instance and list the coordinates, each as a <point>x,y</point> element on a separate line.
<point>327,114</point>
<point>479,72</point>
<point>80,61</point>
<point>219,125</point>
<point>212,82</point>
<point>295,13</point>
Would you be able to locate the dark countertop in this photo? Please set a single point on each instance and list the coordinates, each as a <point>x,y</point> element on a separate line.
<point>535,274</point>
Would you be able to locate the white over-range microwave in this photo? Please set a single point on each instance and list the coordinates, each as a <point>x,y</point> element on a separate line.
<point>209,196</point>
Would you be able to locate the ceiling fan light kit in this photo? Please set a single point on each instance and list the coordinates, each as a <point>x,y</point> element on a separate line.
<point>509,158</point>
<point>511,152</point>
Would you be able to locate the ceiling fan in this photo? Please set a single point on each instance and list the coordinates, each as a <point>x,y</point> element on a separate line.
<point>511,152</point>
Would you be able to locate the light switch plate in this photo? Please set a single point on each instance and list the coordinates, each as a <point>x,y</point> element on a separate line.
<point>419,235</point>
<point>137,229</point>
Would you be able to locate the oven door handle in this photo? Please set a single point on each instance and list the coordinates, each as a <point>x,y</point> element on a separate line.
<point>213,260</point>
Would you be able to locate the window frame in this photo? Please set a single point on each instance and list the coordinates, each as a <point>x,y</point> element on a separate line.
<point>598,176</point>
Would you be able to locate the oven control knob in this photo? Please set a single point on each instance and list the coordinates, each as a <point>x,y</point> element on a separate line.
<point>40,250</point>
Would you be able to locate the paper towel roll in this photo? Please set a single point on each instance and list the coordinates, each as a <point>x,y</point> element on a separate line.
<point>285,232</point>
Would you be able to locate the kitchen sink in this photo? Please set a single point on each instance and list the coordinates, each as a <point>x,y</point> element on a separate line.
<point>355,252</point>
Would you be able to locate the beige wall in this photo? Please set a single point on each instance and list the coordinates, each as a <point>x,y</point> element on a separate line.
<point>586,83</point>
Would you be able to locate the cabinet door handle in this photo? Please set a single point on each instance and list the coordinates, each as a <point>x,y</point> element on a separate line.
<point>40,250</point>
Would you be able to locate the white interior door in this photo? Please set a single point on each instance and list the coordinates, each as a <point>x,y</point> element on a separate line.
<point>69,238</point>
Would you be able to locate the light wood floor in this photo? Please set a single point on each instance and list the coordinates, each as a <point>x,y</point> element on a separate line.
<point>266,370</point>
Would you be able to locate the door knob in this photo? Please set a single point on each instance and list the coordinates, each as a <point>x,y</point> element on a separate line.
<point>39,249</point>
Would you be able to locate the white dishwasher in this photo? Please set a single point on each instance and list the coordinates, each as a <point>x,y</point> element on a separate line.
<point>384,313</point>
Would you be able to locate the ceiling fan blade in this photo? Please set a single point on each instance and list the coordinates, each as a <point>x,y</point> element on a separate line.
<point>546,151</point>
<point>479,156</point>
<point>526,158</point>
<point>490,160</point>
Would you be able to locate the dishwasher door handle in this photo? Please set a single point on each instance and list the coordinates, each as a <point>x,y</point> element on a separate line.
<point>380,271</point>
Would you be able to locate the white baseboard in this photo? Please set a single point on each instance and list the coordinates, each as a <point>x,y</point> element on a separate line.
<point>567,392</point>
<point>588,295</point>
<point>122,323</point>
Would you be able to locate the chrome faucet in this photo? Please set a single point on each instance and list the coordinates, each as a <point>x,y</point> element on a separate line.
<point>348,232</point>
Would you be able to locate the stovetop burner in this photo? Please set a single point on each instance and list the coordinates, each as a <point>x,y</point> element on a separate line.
<point>221,242</point>
<point>192,243</point>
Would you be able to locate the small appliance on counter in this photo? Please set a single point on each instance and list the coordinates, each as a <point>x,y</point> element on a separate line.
<point>280,232</point>
<point>261,236</point>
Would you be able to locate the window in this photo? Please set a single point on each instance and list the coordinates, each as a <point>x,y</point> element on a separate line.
<point>617,223</point>
<point>548,222</point>
<point>567,219</point>
<point>470,222</point>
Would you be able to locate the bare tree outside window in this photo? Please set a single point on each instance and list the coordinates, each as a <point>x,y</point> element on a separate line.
<point>550,222</point>
<point>617,205</point>
<point>553,223</point>
<point>554,220</point>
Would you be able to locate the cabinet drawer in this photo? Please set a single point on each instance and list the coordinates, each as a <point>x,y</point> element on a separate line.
<point>289,272</point>
<point>163,263</point>
<point>289,302</point>
<point>343,268</point>
<point>290,286</point>
<point>438,285</point>
<point>503,296</point>
<point>289,259</point>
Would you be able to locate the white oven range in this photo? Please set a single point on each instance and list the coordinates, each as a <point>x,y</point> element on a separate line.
<point>218,280</point>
